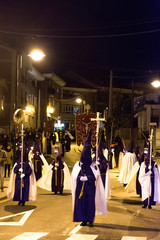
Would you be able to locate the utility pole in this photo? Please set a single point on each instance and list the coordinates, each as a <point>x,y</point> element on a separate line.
<point>132,109</point>
<point>110,94</point>
<point>110,104</point>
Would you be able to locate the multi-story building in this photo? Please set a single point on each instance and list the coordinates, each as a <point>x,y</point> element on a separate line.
<point>24,87</point>
<point>70,105</point>
<point>147,111</point>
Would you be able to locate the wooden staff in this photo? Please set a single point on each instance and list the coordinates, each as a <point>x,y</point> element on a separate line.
<point>150,159</point>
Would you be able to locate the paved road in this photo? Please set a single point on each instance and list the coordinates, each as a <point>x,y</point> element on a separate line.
<point>50,216</point>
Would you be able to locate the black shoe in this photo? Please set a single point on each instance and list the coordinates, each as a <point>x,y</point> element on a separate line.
<point>19,203</point>
<point>2,190</point>
<point>83,223</point>
<point>55,192</point>
<point>61,192</point>
<point>90,224</point>
<point>144,206</point>
<point>149,207</point>
<point>23,203</point>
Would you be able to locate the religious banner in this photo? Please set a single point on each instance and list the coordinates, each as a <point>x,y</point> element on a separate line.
<point>83,126</point>
<point>49,126</point>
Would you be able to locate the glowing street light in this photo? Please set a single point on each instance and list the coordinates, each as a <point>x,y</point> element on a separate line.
<point>50,111</point>
<point>37,55</point>
<point>78,100</point>
<point>156,83</point>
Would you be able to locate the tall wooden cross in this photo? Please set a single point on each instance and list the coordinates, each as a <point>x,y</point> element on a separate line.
<point>98,119</point>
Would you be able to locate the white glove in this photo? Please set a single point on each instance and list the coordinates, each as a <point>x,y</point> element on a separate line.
<point>83,178</point>
<point>149,173</point>
<point>149,167</point>
<point>21,170</point>
<point>56,164</point>
<point>22,175</point>
<point>55,168</point>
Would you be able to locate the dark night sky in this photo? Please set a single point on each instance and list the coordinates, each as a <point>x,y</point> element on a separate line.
<point>89,36</point>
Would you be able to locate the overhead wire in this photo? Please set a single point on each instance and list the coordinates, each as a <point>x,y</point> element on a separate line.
<point>81,36</point>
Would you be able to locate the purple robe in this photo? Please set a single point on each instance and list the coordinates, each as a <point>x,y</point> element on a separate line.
<point>103,169</point>
<point>84,207</point>
<point>37,162</point>
<point>103,164</point>
<point>25,182</point>
<point>57,176</point>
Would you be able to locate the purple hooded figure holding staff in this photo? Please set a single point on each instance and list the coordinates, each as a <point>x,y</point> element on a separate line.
<point>149,180</point>
<point>87,188</point>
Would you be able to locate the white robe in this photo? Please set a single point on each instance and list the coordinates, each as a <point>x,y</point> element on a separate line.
<point>107,185</point>
<point>131,186</point>
<point>45,181</point>
<point>144,179</point>
<point>126,168</point>
<point>120,159</point>
<point>100,201</point>
<point>32,184</point>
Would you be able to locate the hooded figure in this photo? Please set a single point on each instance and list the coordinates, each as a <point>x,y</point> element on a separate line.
<point>133,184</point>
<point>150,182</point>
<point>37,162</point>
<point>58,173</point>
<point>87,188</point>
<point>53,174</point>
<point>22,184</point>
<point>103,165</point>
<point>127,163</point>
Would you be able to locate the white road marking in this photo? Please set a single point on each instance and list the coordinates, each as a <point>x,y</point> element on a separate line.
<point>30,236</point>
<point>75,230</point>
<point>81,237</point>
<point>133,238</point>
<point>20,222</point>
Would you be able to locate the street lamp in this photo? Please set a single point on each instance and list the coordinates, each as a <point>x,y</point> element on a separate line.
<point>78,100</point>
<point>50,110</point>
<point>37,55</point>
<point>156,83</point>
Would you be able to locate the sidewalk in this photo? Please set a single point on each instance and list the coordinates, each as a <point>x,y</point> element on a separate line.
<point>3,195</point>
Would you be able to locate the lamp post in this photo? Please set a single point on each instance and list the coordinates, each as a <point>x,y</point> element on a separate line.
<point>21,63</point>
<point>156,83</point>
<point>83,102</point>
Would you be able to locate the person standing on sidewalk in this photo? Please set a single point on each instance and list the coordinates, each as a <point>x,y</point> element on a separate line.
<point>9,162</point>
<point>3,159</point>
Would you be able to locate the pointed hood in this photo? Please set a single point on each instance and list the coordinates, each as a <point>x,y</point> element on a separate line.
<point>130,148</point>
<point>100,151</point>
<point>137,151</point>
<point>57,154</point>
<point>86,152</point>
<point>36,147</point>
<point>101,157</point>
<point>124,146</point>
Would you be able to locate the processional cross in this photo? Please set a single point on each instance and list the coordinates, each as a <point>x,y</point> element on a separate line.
<point>98,119</point>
